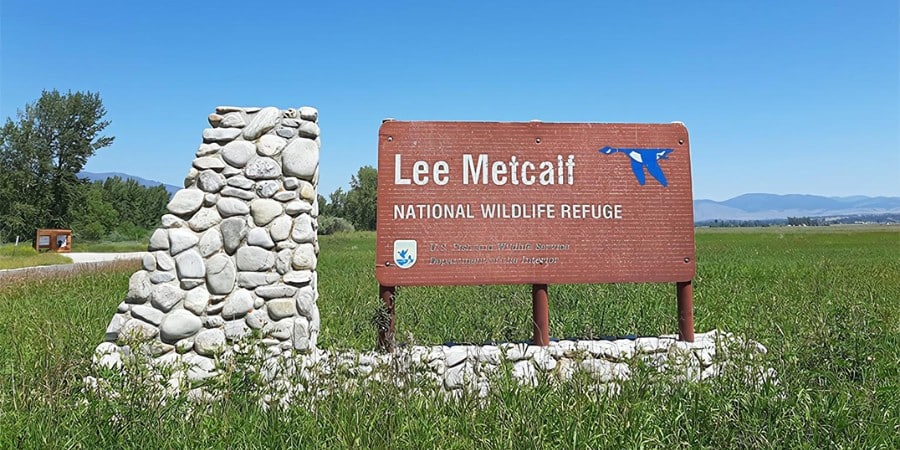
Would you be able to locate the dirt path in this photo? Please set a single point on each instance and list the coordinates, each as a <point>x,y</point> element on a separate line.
<point>100,257</point>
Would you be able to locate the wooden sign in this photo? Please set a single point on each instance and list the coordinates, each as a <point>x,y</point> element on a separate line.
<point>54,240</point>
<point>533,203</point>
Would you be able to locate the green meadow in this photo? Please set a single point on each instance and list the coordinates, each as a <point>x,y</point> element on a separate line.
<point>825,302</point>
<point>23,255</point>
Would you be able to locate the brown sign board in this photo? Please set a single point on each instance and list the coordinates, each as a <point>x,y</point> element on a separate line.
<point>54,240</point>
<point>472,203</point>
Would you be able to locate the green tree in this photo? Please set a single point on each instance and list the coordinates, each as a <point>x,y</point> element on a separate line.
<point>361,200</point>
<point>337,204</point>
<point>136,205</point>
<point>41,154</point>
<point>95,217</point>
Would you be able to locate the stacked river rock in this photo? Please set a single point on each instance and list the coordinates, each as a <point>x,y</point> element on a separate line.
<point>237,251</point>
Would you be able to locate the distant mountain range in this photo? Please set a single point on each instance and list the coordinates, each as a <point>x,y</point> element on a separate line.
<point>742,207</point>
<point>102,176</point>
<point>772,206</point>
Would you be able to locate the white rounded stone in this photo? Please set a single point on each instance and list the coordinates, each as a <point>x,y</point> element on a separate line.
<point>280,308</point>
<point>229,171</point>
<point>209,342</point>
<point>191,177</point>
<point>159,240</point>
<point>267,188</point>
<point>308,129</point>
<point>147,314</point>
<point>262,168</point>
<point>161,277</point>
<point>220,274</point>
<point>300,334</point>
<point>298,277</point>
<point>300,158</point>
<point>242,194</point>
<point>240,182</point>
<point>264,210</point>
<point>257,319</point>
<point>280,229</point>
<point>166,296</point>
<point>220,134</point>
<point>280,330</point>
<point>297,207</point>
<point>303,230</point>
<point>148,262</point>
<point>207,150</point>
<point>234,230</point>
<point>275,291</point>
<point>164,261</point>
<point>270,145</point>
<point>189,264</point>
<point>224,109</point>
<point>172,221</point>
<point>259,237</point>
<point>210,243</point>
<point>139,288</point>
<point>210,181</point>
<point>254,259</point>
<point>204,219</point>
<point>137,330</point>
<point>238,304</point>
<point>283,261</point>
<point>253,280</point>
<point>229,207</point>
<point>179,325</point>
<point>309,113</point>
<point>233,119</point>
<point>195,300</point>
<point>285,196</point>
<point>261,123</point>
<point>304,257</point>
<point>308,192</point>
<point>208,162</point>
<point>181,240</point>
<point>185,202</point>
<point>190,283</point>
<point>238,153</point>
<point>306,301</point>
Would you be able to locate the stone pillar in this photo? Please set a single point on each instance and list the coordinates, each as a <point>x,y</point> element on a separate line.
<point>238,249</point>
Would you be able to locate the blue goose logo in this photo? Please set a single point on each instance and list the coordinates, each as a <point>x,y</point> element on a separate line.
<point>641,158</point>
<point>405,253</point>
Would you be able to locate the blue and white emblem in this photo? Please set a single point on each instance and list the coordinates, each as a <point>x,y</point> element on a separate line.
<point>405,253</point>
<point>644,158</point>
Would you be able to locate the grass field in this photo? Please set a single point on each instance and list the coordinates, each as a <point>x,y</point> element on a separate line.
<point>23,255</point>
<point>826,303</point>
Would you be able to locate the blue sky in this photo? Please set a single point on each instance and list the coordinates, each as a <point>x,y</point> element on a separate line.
<point>780,97</point>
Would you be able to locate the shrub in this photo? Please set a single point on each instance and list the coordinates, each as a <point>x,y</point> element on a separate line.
<point>332,225</point>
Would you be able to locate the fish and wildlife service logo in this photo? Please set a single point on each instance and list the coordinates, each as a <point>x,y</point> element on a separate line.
<point>643,158</point>
<point>405,253</point>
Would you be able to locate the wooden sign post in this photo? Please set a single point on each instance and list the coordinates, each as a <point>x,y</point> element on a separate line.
<point>475,203</point>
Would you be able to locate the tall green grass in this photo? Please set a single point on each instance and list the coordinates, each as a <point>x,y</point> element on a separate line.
<point>827,306</point>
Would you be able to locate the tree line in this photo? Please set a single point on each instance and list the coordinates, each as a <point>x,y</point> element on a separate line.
<point>353,209</point>
<point>44,149</point>
<point>41,154</point>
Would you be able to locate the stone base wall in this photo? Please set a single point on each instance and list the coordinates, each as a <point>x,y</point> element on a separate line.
<point>237,251</point>
<point>454,370</point>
